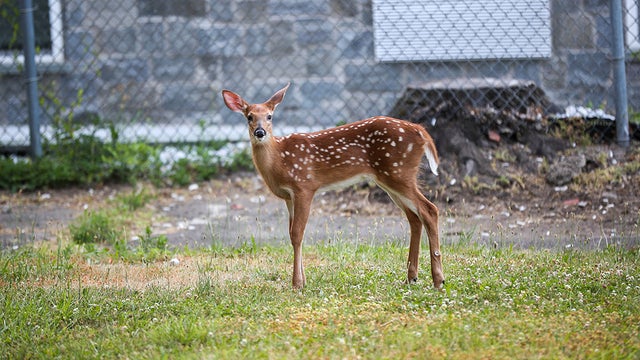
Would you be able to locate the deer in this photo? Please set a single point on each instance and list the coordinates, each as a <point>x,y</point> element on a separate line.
<point>386,150</point>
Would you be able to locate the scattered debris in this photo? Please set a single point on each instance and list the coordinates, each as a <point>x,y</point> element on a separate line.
<point>573,111</point>
<point>493,136</point>
<point>571,202</point>
<point>565,169</point>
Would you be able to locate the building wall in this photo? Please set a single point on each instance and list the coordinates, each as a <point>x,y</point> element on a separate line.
<point>166,62</point>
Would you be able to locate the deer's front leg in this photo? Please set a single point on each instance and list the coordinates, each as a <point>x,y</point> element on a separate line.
<point>299,208</point>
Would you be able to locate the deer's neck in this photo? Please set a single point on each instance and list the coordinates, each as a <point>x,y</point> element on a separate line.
<point>268,162</point>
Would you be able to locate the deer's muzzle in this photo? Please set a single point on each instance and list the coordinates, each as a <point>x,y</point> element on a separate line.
<point>259,132</point>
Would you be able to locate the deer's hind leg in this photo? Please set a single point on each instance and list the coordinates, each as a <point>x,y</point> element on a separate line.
<point>419,212</point>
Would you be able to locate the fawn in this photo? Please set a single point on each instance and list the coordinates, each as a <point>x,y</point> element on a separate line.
<point>386,150</point>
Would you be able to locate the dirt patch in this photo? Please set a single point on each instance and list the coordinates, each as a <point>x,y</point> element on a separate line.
<point>239,210</point>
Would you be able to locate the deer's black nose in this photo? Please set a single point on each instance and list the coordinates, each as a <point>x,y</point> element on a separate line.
<point>259,133</point>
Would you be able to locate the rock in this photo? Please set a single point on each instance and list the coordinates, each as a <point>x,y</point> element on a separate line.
<point>571,202</point>
<point>493,136</point>
<point>565,169</point>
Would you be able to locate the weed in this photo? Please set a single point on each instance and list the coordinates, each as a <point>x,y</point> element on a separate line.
<point>575,129</point>
<point>136,199</point>
<point>474,184</point>
<point>466,237</point>
<point>149,242</point>
<point>504,155</point>
<point>94,227</point>
<point>241,160</point>
<point>601,177</point>
<point>503,181</point>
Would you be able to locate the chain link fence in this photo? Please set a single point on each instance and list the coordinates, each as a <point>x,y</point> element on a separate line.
<point>156,68</point>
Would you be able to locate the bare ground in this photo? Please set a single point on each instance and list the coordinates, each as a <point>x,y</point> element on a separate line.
<point>239,210</point>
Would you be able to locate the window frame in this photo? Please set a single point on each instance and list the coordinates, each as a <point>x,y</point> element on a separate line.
<point>632,25</point>
<point>384,45</point>
<point>53,56</point>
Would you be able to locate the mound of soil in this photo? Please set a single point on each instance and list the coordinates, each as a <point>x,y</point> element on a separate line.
<point>506,147</point>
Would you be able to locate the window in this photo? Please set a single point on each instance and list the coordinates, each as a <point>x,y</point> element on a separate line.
<point>632,25</point>
<point>47,21</point>
<point>440,30</point>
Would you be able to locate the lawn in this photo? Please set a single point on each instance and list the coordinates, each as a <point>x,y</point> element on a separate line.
<point>60,301</point>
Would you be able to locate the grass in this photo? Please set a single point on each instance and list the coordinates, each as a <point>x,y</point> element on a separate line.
<point>234,303</point>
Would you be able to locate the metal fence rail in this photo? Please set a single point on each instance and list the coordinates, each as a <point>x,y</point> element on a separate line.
<point>156,68</point>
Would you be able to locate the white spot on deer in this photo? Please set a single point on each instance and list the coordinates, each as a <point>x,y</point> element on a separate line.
<point>401,130</point>
<point>410,147</point>
<point>395,164</point>
<point>393,143</point>
<point>387,155</point>
<point>400,139</point>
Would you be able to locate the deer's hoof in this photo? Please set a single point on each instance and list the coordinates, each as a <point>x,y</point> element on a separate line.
<point>412,280</point>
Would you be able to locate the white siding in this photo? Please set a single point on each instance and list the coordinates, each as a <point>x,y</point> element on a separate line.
<point>433,30</point>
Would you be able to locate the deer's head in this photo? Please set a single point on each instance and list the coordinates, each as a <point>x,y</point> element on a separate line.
<point>258,116</point>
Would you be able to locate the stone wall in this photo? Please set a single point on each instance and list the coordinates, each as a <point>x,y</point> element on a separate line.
<point>166,62</point>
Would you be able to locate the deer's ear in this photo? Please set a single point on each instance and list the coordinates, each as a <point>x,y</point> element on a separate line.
<point>277,97</point>
<point>234,101</point>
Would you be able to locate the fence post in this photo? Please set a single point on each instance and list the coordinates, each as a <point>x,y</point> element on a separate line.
<point>619,76</point>
<point>28,35</point>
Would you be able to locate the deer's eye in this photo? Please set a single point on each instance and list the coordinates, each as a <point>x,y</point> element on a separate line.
<point>269,117</point>
<point>250,117</point>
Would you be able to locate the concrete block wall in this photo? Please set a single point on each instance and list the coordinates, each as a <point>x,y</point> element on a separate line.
<point>166,62</point>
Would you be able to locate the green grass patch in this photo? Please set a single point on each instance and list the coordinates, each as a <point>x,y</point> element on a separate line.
<point>233,303</point>
<point>120,231</point>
